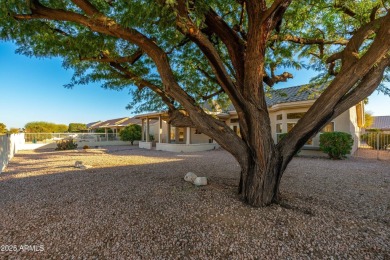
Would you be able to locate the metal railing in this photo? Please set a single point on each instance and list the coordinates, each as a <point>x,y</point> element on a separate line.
<point>374,145</point>
<point>78,137</point>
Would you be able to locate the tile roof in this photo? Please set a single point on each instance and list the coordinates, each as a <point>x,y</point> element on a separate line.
<point>381,122</point>
<point>93,124</point>
<point>291,94</point>
<point>123,121</point>
<point>114,122</point>
<point>131,121</point>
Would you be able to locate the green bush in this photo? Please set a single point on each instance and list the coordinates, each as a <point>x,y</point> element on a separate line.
<point>131,133</point>
<point>377,140</point>
<point>336,144</point>
<point>66,144</point>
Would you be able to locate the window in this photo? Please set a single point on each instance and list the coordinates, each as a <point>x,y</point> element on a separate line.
<point>234,120</point>
<point>279,117</point>
<point>295,115</point>
<point>181,134</point>
<point>197,132</point>
<point>173,130</point>
<point>278,128</point>
<point>290,126</point>
<point>236,129</point>
<point>328,128</point>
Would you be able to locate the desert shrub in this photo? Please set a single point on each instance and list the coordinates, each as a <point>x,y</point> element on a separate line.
<point>377,140</point>
<point>66,144</point>
<point>336,144</point>
<point>85,147</point>
<point>131,133</point>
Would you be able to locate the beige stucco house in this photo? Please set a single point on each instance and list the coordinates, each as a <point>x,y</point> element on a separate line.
<point>112,125</point>
<point>286,107</point>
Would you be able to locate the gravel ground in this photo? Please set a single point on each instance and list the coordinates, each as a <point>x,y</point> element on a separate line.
<point>134,204</point>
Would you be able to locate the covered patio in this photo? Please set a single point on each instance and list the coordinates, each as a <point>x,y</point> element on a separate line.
<point>174,137</point>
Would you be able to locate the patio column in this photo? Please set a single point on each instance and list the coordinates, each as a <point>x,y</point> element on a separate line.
<point>188,139</point>
<point>168,133</point>
<point>142,130</point>
<point>147,129</point>
<point>159,128</point>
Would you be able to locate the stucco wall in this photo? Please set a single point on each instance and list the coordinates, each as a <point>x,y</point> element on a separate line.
<point>198,138</point>
<point>9,146</point>
<point>186,148</point>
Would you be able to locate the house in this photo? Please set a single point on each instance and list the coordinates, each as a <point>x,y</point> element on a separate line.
<point>286,106</point>
<point>112,126</point>
<point>381,123</point>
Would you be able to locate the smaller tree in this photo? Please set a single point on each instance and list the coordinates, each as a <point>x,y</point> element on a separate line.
<point>60,128</point>
<point>3,129</point>
<point>77,127</point>
<point>368,119</point>
<point>131,133</point>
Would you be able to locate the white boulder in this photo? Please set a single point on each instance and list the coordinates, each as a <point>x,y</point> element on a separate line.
<point>190,177</point>
<point>200,181</point>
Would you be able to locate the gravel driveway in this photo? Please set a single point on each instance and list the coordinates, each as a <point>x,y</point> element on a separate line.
<point>134,204</point>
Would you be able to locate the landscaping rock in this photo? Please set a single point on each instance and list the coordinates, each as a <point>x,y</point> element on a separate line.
<point>190,177</point>
<point>200,181</point>
<point>78,164</point>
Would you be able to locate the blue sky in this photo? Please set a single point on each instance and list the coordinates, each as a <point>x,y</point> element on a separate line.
<point>32,89</point>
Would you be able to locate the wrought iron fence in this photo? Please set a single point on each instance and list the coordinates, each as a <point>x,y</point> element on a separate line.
<point>374,145</point>
<point>78,137</point>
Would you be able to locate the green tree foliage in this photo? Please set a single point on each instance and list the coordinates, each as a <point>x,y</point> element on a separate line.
<point>131,133</point>
<point>61,128</point>
<point>77,127</point>
<point>177,54</point>
<point>336,144</point>
<point>45,127</point>
<point>3,129</point>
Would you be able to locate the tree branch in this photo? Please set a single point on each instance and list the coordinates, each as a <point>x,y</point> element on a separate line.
<point>345,9</point>
<point>189,29</point>
<point>364,88</point>
<point>213,94</point>
<point>234,44</point>
<point>306,41</point>
<point>128,59</point>
<point>87,7</point>
<point>141,83</point>
<point>271,81</point>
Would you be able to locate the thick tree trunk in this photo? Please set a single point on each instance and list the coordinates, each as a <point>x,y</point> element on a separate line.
<point>259,186</point>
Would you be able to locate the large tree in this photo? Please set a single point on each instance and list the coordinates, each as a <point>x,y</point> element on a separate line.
<point>181,52</point>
